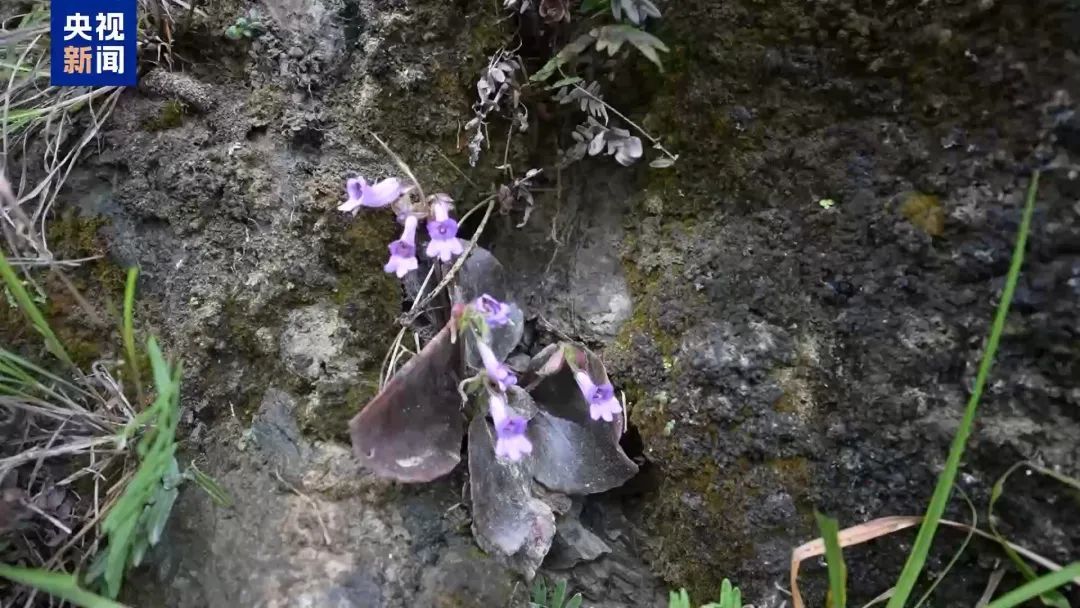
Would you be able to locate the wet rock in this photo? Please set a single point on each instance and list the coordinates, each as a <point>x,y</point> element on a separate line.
<point>582,288</point>
<point>574,543</point>
<point>313,341</point>
<point>731,237</point>
<point>1068,134</point>
<point>726,350</point>
<point>339,538</point>
<point>276,434</point>
<point>464,576</point>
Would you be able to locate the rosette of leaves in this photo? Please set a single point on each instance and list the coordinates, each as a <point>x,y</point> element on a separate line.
<point>245,26</point>
<point>587,97</point>
<point>635,11</point>
<point>609,39</point>
<point>412,430</point>
<point>593,138</point>
<point>497,86</point>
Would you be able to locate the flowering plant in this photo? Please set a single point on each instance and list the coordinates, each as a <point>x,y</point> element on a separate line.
<point>538,433</point>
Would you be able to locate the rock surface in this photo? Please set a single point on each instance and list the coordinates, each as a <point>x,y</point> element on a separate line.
<point>308,529</point>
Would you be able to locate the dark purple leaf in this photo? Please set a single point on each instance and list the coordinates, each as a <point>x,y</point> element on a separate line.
<point>411,431</point>
<point>573,453</point>
<point>553,386</point>
<point>482,273</point>
<point>577,457</point>
<point>504,338</point>
<point>508,520</point>
<point>520,403</point>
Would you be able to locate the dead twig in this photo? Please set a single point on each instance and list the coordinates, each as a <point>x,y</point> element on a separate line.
<point>310,501</point>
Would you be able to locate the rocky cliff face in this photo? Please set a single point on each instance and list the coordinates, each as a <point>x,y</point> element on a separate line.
<point>778,353</point>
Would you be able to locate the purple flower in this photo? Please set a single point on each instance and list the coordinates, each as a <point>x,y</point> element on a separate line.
<point>444,243</point>
<point>495,312</point>
<point>510,440</point>
<point>602,401</point>
<point>361,194</point>
<point>497,372</point>
<point>403,251</point>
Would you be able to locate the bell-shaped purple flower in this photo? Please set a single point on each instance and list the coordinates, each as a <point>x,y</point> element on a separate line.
<point>510,440</point>
<point>403,251</point>
<point>380,194</point>
<point>444,243</point>
<point>497,372</point>
<point>601,398</point>
<point>496,314</point>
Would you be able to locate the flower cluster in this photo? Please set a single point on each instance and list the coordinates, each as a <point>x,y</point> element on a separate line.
<point>510,440</point>
<point>441,228</point>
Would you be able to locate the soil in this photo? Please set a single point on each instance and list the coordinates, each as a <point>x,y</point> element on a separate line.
<point>779,354</point>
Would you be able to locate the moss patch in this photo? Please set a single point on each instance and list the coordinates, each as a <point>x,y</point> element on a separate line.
<point>925,212</point>
<point>265,105</point>
<point>170,117</point>
<point>87,335</point>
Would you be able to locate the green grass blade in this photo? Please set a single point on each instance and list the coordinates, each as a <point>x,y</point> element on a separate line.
<point>157,451</point>
<point>35,375</point>
<point>834,558</point>
<point>956,556</point>
<point>1049,598</point>
<point>26,304</point>
<point>1037,587</point>
<point>63,586</point>
<point>222,498</point>
<point>917,558</point>
<point>558,597</point>
<point>539,592</point>
<point>128,330</point>
<point>162,373</point>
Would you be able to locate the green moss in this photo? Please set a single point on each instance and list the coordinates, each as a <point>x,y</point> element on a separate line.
<point>170,117</point>
<point>331,420</point>
<point>87,336</point>
<point>370,302</point>
<point>720,500</point>
<point>99,282</point>
<point>925,212</point>
<point>643,319</point>
<point>265,105</point>
<point>357,253</point>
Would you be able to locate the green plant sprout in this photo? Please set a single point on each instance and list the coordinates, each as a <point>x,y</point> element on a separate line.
<point>245,26</point>
<point>730,597</point>
<point>555,597</point>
